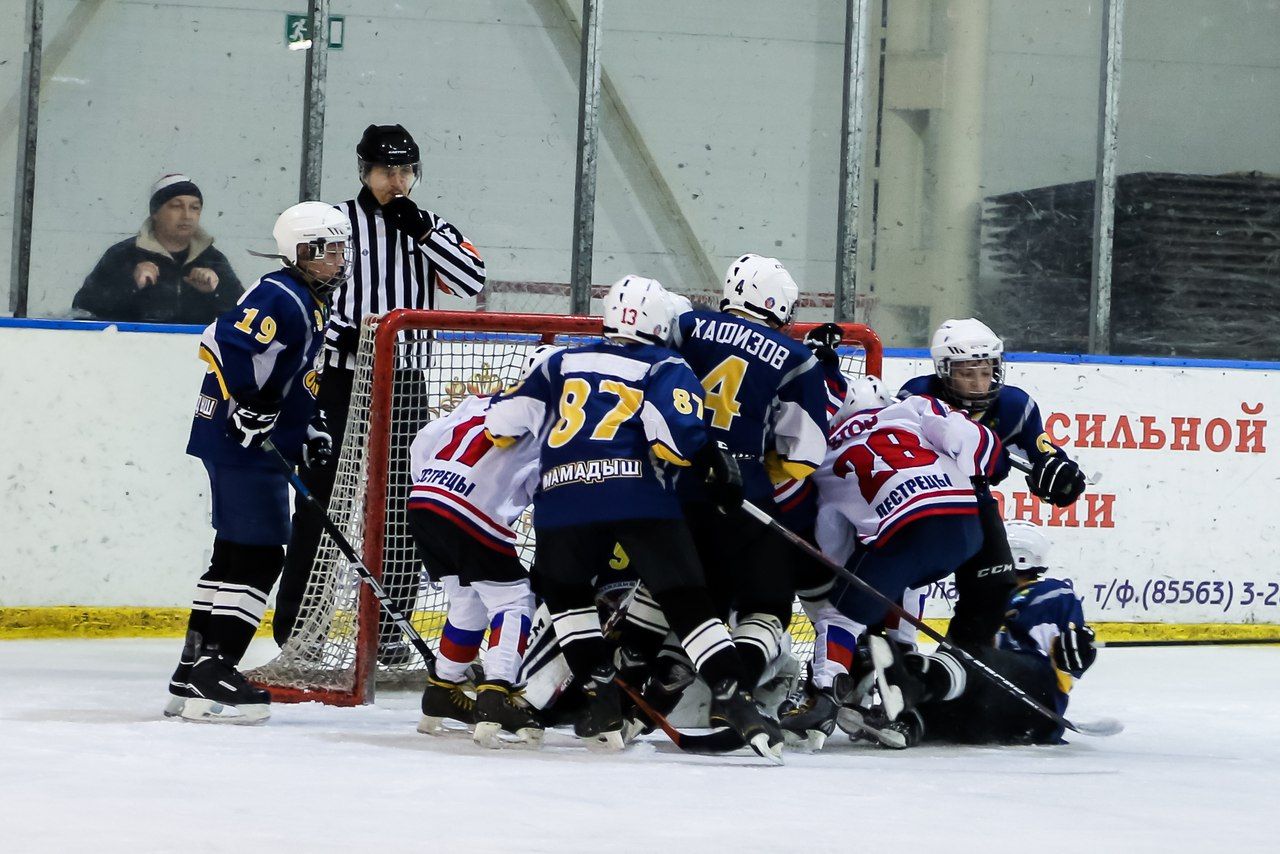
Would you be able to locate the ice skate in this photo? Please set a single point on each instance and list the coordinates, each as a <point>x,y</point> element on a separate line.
<point>503,720</point>
<point>221,694</point>
<point>444,700</point>
<point>735,708</point>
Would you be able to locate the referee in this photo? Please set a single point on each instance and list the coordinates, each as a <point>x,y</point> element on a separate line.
<point>400,255</point>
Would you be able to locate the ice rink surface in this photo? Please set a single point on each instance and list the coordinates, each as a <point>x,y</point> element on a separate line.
<point>88,763</point>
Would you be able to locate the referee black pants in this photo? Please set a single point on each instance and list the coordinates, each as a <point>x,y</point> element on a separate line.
<point>400,567</point>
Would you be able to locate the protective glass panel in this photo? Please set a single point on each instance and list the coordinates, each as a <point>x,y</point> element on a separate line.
<point>12,46</point>
<point>1196,269</point>
<point>488,89</point>
<point>721,136</point>
<point>132,92</point>
<point>979,171</point>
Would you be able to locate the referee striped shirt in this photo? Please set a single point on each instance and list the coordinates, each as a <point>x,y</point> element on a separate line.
<point>390,270</point>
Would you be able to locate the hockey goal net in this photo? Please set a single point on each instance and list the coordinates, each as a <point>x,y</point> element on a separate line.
<point>413,366</point>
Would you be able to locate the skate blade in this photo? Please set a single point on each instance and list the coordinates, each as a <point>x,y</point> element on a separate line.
<point>173,708</point>
<point>890,695</point>
<point>853,723</point>
<point>811,741</point>
<point>201,711</point>
<point>492,736</point>
<point>606,742</point>
<point>633,729</point>
<point>429,725</point>
<point>760,744</point>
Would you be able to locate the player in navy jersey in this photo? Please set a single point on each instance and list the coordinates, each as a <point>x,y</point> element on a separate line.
<point>766,400</point>
<point>614,418</point>
<point>968,362</point>
<point>1044,647</point>
<point>260,382</point>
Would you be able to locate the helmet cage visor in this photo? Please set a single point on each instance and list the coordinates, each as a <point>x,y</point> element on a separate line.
<point>325,249</point>
<point>965,398</point>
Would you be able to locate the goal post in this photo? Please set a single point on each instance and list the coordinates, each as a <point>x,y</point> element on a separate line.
<point>412,366</point>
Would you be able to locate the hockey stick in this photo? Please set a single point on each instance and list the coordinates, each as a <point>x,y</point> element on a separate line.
<point>1025,467</point>
<point>720,741</point>
<point>384,601</point>
<point>1106,726</point>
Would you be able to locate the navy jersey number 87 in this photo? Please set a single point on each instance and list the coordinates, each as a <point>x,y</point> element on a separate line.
<point>605,411</point>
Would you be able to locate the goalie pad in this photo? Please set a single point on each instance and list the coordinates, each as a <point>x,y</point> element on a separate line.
<point>544,670</point>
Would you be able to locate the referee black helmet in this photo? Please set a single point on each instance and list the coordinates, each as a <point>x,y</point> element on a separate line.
<point>387,145</point>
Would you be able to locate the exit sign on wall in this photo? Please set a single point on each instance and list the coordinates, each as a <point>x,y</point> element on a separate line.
<point>297,30</point>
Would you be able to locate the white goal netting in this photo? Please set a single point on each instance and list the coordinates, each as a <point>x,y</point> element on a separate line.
<point>421,366</point>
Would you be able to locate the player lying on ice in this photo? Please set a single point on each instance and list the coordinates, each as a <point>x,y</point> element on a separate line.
<point>1043,647</point>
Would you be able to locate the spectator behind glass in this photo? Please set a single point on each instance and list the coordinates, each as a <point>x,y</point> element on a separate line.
<point>168,272</point>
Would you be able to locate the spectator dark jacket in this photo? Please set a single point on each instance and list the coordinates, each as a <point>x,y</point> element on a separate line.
<point>109,292</point>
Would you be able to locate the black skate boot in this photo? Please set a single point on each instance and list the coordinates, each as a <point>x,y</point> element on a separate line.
<point>663,692</point>
<point>735,708</point>
<point>600,724</point>
<point>897,677</point>
<point>396,653</point>
<point>499,711</point>
<point>179,690</point>
<point>441,700</point>
<point>808,718</point>
<point>221,694</point>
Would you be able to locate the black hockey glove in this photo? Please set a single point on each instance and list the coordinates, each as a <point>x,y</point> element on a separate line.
<point>250,425</point>
<point>317,450</point>
<point>1057,480</point>
<point>823,341</point>
<point>721,473</point>
<point>344,336</point>
<point>1074,651</point>
<point>403,215</point>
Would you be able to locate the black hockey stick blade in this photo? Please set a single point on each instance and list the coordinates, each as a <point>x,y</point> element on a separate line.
<point>718,741</point>
<point>384,601</point>
<point>1098,728</point>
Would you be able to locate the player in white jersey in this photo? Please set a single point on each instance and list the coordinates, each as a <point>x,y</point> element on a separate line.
<point>897,506</point>
<point>462,506</point>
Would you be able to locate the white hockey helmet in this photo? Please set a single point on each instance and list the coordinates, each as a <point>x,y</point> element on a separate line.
<point>305,232</point>
<point>536,357</point>
<point>1029,546</point>
<point>968,340</point>
<point>864,393</point>
<point>760,287</point>
<point>637,309</point>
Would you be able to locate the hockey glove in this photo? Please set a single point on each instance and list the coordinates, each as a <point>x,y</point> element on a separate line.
<point>722,475</point>
<point>823,341</point>
<point>317,450</point>
<point>1057,480</point>
<point>403,215</point>
<point>342,336</point>
<point>1074,651</point>
<point>250,427</point>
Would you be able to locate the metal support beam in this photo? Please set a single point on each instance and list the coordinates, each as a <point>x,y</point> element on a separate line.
<point>1104,185</point>
<point>313,100</point>
<point>853,135</point>
<point>584,196</point>
<point>24,181</point>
